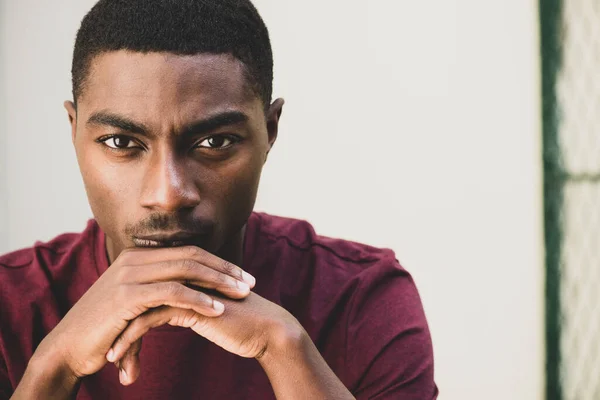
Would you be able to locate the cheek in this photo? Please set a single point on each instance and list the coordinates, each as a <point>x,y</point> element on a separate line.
<point>238,183</point>
<point>107,187</point>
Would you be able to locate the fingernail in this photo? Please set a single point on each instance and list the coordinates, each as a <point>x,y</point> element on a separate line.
<point>243,286</point>
<point>111,355</point>
<point>218,306</point>
<point>123,376</point>
<point>249,279</point>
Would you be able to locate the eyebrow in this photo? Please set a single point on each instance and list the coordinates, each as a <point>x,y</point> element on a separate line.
<point>195,128</point>
<point>214,122</point>
<point>117,121</point>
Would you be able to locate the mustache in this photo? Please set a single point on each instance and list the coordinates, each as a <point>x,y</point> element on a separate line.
<point>159,223</point>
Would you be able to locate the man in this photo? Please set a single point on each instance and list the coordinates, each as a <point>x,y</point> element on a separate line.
<point>177,289</point>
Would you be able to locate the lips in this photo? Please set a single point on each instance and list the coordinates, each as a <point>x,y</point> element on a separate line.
<point>171,240</point>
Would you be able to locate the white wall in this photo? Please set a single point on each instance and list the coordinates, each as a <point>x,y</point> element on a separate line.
<point>3,190</point>
<point>411,125</point>
<point>46,195</point>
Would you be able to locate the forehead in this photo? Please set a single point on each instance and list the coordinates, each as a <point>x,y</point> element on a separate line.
<point>163,83</point>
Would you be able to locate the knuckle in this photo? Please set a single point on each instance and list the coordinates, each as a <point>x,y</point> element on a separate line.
<point>228,267</point>
<point>173,289</point>
<point>188,265</point>
<point>185,318</point>
<point>222,278</point>
<point>199,324</point>
<point>191,251</point>
<point>122,274</point>
<point>124,339</point>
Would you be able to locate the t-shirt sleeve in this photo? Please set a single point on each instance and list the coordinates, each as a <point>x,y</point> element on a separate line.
<point>388,344</point>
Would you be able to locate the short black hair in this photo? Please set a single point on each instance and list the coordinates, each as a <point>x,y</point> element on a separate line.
<point>183,27</point>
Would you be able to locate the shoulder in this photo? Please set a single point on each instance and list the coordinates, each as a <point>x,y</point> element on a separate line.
<point>343,292</point>
<point>299,236</point>
<point>333,272</point>
<point>32,269</point>
<point>49,252</point>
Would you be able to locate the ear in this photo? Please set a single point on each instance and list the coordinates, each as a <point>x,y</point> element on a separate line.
<point>273,117</point>
<point>72,113</point>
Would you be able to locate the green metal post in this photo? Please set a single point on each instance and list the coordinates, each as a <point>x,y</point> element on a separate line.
<point>550,26</point>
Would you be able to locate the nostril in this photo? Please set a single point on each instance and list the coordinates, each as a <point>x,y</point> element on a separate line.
<point>168,186</point>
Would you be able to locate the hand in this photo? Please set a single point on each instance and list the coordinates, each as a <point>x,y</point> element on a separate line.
<point>249,328</point>
<point>139,280</point>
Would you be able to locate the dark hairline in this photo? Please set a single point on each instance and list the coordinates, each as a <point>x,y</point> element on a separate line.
<point>248,87</point>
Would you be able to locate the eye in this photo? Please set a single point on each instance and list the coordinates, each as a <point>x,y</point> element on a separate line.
<point>217,142</point>
<point>119,142</point>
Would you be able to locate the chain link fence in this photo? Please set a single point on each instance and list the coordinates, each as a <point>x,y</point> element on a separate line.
<point>571,112</point>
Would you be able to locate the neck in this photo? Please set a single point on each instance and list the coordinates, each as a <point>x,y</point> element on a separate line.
<point>233,250</point>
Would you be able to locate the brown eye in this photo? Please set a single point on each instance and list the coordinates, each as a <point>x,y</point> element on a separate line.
<point>119,142</point>
<point>216,142</point>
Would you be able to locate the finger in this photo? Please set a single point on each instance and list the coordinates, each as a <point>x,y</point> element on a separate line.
<point>135,348</point>
<point>151,319</point>
<point>145,256</point>
<point>170,294</point>
<point>130,364</point>
<point>189,272</point>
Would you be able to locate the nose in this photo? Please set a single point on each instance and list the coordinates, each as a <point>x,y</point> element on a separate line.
<point>169,186</point>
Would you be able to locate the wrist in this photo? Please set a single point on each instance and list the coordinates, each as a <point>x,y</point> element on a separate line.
<point>48,376</point>
<point>48,362</point>
<point>297,370</point>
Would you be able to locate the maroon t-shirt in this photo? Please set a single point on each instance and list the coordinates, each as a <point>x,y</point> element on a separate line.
<point>359,306</point>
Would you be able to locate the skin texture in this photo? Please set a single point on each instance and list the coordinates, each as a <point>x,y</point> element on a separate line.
<point>173,145</point>
<point>171,181</point>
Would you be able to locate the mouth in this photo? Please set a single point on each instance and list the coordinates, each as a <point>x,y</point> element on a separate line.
<point>170,240</point>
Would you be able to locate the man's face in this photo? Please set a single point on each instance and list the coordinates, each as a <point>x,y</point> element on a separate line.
<point>171,148</point>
